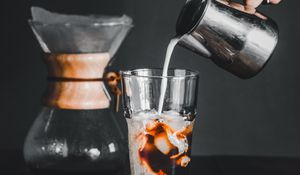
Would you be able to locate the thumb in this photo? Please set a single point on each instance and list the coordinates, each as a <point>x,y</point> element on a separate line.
<point>275,1</point>
<point>253,3</point>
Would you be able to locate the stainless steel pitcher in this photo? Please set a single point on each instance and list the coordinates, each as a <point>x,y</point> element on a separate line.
<point>239,42</point>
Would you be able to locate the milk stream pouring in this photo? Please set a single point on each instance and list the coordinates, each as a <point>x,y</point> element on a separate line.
<point>164,82</point>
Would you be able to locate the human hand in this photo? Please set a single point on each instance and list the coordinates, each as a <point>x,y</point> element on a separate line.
<point>249,6</point>
<point>256,3</point>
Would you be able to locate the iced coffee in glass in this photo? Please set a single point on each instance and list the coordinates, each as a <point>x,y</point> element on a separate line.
<point>160,113</point>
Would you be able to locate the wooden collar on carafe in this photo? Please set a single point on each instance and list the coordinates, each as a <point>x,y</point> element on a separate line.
<point>74,81</point>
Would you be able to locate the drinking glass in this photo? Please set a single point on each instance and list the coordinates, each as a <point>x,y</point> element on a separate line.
<point>160,140</point>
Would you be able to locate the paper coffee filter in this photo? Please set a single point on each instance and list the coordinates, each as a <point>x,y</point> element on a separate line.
<point>59,33</point>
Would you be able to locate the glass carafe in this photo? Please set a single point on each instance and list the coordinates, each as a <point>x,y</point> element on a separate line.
<point>75,140</point>
<point>76,131</point>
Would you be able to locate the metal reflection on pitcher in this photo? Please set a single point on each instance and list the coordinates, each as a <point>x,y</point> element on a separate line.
<point>239,42</point>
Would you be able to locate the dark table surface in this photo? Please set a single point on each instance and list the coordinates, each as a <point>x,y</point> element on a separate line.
<point>11,162</point>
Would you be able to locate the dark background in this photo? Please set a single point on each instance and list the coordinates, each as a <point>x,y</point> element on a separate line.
<point>256,117</point>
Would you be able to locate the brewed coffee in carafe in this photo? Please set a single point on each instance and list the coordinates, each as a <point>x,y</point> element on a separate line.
<point>76,130</point>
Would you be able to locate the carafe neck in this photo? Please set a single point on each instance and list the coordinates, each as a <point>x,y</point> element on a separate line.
<point>75,81</point>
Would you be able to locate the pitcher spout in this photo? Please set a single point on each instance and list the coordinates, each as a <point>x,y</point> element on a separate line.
<point>190,42</point>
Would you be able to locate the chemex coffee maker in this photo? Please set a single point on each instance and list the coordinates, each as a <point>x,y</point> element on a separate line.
<point>76,130</point>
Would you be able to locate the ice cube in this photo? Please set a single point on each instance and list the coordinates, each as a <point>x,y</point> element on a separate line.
<point>162,143</point>
<point>180,143</point>
<point>183,161</point>
<point>188,128</point>
<point>150,125</point>
<point>176,125</point>
<point>171,113</point>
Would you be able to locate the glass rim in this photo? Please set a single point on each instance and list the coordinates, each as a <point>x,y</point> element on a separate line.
<point>129,73</point>
<point>95,24</point>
